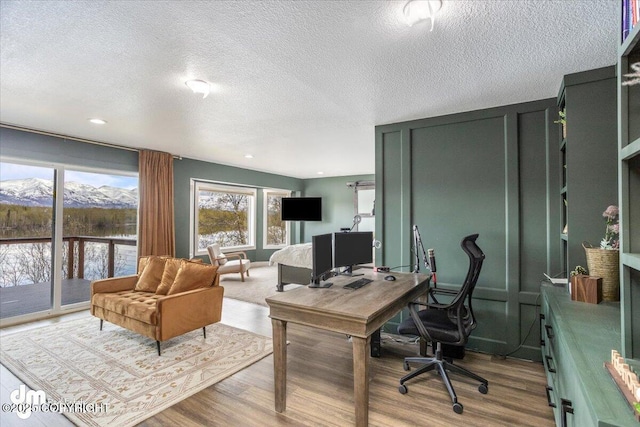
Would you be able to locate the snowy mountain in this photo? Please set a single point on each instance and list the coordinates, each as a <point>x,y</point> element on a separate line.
<point>38,192</point>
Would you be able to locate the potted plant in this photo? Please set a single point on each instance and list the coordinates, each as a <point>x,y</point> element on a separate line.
<point>605,261</point>
<point>562,119</point>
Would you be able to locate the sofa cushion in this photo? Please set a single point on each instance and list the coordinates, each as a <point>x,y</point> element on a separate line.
<point>171,267</point>
<point>142,263</point>
<point>193,275</point>
<point>151,276</point>
<point>136,305</point>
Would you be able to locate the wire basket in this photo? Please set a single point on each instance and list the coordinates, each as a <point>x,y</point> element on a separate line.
<point>605,263</point>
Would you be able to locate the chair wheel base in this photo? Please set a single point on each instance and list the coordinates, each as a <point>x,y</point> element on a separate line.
<point>483,388</point>
<point>403,389</point>
<point>406,366</point>
<point>458,408</point>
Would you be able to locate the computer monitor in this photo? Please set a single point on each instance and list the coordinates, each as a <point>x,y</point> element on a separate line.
<point>353,248</point>
<point>322,254</point>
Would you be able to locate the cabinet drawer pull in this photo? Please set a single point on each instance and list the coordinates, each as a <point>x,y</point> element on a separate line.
<point>542,343</point>
<point>567,408</point>
<point>549,329</point>
<point>547,360</point>
<point>549,402</point>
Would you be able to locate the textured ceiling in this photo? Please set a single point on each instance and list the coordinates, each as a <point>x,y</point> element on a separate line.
<point>298,84</point>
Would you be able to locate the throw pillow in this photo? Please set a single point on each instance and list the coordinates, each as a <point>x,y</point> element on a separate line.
<point>222,259</point>
<point>192,275</point>
<point>171,267</point>
<point>142,263</point>
<point>151,276</point>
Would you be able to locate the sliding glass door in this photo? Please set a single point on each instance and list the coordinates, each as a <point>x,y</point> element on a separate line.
<point>99,230</point>
<point>51,248</point>
<point>26,239</point>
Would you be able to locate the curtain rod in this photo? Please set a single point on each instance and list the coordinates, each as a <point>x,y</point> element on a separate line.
<point>73,138</point>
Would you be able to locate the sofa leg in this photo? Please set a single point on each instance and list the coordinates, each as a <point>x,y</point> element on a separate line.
<point>101,320</point>
<point>241,276</point>
<point>204,331</point>
<point>158,345</point>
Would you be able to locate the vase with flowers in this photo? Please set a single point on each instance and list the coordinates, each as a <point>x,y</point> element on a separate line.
<point>612,231</point>
<point>605,261</point>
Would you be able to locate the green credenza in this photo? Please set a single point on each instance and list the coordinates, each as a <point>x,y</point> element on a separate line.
<point>576,340</point>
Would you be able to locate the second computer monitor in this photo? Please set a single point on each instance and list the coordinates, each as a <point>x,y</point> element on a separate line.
<point>352,248</point>
<point>322,255</point>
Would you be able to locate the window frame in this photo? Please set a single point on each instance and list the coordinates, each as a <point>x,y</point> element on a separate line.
<point>265,218</point>
<point>200,185</point>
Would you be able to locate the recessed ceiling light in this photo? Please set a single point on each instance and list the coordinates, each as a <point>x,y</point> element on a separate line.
<point>98,121</point>
<point>248,156</point>
<point>199,86</point>
<point>320,173</point>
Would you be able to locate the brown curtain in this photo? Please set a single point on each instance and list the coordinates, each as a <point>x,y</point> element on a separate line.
<point>157,230</point>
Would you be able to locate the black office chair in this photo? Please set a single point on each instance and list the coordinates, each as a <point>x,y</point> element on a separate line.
<point>450,323</point>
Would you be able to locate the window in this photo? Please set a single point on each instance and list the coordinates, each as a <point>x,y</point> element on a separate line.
<point>276,231</point>
<point>223,214</point>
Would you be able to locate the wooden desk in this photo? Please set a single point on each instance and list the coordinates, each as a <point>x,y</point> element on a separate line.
<point>358,313</point>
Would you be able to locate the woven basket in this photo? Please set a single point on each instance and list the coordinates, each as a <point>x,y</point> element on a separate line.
<point>606,264</point>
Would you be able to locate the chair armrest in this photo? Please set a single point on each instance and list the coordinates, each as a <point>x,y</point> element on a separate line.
<point>443,291</point>
<point>114,284</point>
<point>238,254</point>
<point>418,304</point>
<point>187,311</point>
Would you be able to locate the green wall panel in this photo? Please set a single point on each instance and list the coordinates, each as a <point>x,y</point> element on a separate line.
<point>459,191</point>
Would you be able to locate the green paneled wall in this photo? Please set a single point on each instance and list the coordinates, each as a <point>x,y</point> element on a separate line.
<point>478,172</point>
<point>337,204</point>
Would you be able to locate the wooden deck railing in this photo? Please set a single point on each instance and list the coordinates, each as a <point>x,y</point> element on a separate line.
<point>110,241</point>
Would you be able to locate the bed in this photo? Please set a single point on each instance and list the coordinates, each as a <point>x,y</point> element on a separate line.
<point>295,264</point>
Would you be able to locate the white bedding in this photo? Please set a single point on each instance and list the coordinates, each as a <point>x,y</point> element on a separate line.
<point>294,255</point>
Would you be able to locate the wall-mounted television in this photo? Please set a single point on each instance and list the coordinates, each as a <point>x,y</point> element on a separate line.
<point>301,209</point>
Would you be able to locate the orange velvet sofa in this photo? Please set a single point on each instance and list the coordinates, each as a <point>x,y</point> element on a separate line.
<point>168,297</point>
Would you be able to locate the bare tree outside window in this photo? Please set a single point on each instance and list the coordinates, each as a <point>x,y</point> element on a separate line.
<point>224,217</point>
<point>276,228</point>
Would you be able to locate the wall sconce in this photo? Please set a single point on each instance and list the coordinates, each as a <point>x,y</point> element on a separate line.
<point>198,86</point>
<point>418,10</point>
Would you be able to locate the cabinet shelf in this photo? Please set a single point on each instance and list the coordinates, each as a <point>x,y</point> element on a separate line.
<point>631,260</point>
<point>630,151</point>
<point>630,42</point>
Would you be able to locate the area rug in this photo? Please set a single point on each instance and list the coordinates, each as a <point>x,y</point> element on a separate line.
<point>255,288</point>
<point>114,376</point>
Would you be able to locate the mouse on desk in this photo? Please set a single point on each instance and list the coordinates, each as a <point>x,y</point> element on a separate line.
<point>390,278</point>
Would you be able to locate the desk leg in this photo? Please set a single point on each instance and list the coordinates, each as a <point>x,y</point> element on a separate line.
<point>361,350</point>
<point>280,363</point>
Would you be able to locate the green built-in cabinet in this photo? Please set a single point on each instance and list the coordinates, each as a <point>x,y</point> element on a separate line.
<point>576,340</point>
<point>629,187</point>
<point>588,161</point>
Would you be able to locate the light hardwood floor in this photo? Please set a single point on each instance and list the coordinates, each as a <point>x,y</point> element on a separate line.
<point>320,382</point>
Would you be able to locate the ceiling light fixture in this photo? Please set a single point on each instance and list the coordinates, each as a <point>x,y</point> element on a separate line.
<point>248,156</point>
<point>98,121</point>
<point>199,86</point>
<point>419,10</point>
